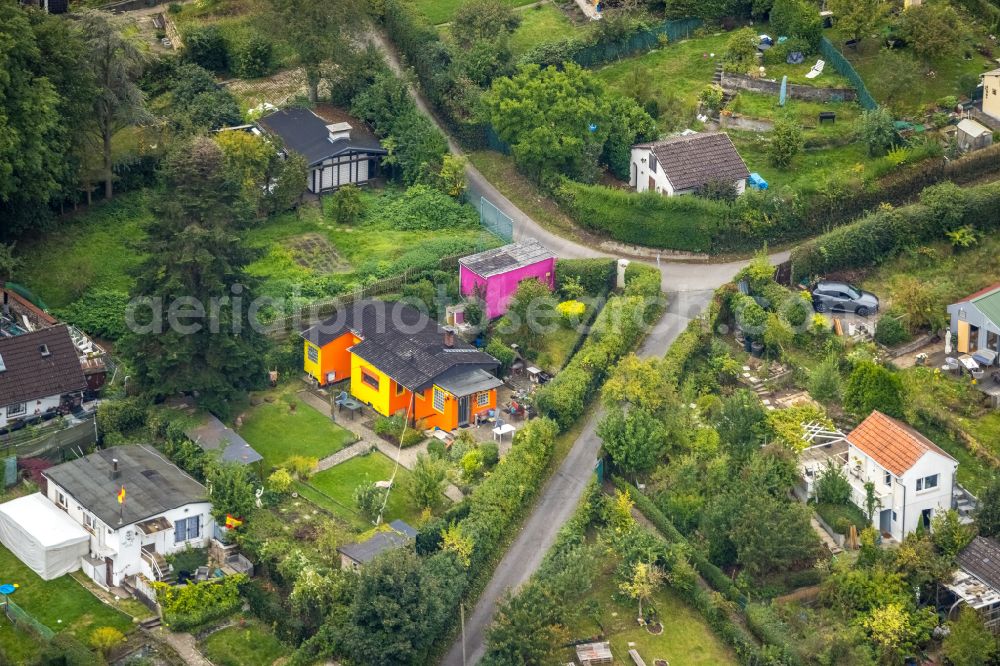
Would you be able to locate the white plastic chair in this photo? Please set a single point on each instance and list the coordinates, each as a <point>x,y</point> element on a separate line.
<point>816,70</point>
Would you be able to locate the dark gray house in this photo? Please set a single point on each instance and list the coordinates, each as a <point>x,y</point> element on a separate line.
<point>356,555</point>
<point>337,153</point>
<point>975,325</point>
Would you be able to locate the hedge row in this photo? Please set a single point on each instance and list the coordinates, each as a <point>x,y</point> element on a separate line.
<point>883,234</point>
<point>618,328</point>
<point>694,224</point>
<point>596,276</point>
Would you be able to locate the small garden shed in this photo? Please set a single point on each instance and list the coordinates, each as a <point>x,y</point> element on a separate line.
<point>495,274</point>
<point>973,136</point>
<point>975,323</point>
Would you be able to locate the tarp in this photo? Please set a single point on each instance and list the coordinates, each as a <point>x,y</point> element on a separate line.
<point>42,536</point>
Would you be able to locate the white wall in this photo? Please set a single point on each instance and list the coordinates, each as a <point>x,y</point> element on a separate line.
<point>32,408</point>
<point>639,173</point>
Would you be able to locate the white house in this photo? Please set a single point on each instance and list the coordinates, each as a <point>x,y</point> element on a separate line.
<point>337,153</point>
<point>40,375</point>
<point>164,511</point>
<point>685,164</point>
<point>991,93</point>
<point>914,478</point>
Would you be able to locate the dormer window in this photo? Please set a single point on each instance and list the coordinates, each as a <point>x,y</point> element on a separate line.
<point>44,350</point>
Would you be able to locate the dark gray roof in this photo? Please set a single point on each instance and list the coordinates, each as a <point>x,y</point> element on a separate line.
<point>697,159</point>
<point>212,434</point>
<point>506,258</point>
<point>466,381</point>
<point>30,374</point>
<point>400,535</point>
<point>152,484</point>
<point>304,132</point>
<point>981,558</point>
<point>401,341</point>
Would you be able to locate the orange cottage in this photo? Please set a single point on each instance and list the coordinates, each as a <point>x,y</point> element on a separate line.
<point>399,361</point>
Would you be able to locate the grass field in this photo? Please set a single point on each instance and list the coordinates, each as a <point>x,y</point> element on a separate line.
<point>686,639</point>
<point>248,643</point>
<point>61,605</point>
<point>443,11</point>
<point>806,113</point>
<point>237,20</point>
<point>810,169</point>
<point>336,488</point>
<point>278,433</point>
<point>541,23</point>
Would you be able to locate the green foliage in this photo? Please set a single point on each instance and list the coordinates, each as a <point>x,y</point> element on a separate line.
<point>424,208</point>
<point>530,311</point>
<point>797,18</point>
<point>969,643</point>
<point>890,330</point>
<point>501,352</point>
<point>254,58</point>
<point>872,386</point>
<point>105,639</point>
<point>206,47</point>
<point>824,382</point>
<point>117,419</point>
<point>280,481</point>
<point>741,51</point>
<point>635,439</point>
<point>875,126</point>
<point>629,124</point>
<point>859,18</point>
<point>832,487</point>
<point>189,606</point>
<point>595,276</point>
<point>369,499</point>
<point>233,486</point>
<point>427,482</point>
<point>742,423</point>
<point>988,511</point>
<point>711,97</point>
<point>933,29</point>
<point>390,425</point>
<point>786,142</point>
<point>189,559</point>
<point>949,535</point>
<point>197,103</point>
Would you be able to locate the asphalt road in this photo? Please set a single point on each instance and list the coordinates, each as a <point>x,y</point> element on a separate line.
<point>688,286</point>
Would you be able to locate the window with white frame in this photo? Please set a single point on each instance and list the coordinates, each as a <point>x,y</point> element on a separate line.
<point>17,409</point>
<point>482,398</point>
<point>313,354</point>
<point>186,529</point>
<point>438,399</point>
<point>927,482</point>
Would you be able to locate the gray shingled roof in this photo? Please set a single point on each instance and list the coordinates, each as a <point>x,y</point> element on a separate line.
<point>400,535</point>
<point>466,381</point>
<point>29,374</point>
<point>401,341</point>
<point>152,484</point>
<point>212,434</point>
<point>509,257</point>
<point>695,160</point>
<point>304,132</point>
<point>981,558</point>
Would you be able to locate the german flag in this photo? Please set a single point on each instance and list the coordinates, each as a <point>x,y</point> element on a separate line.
<point>121,495</point>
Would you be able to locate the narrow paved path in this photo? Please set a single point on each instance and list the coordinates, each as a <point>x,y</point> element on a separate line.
<point>688,286</point>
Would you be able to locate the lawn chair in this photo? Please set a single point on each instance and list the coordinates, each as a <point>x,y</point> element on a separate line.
<point>816,70</point>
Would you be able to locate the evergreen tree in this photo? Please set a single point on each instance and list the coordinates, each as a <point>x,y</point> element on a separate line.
<point>192,253</point>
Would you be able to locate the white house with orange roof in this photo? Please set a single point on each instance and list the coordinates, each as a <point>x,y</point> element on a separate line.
<point>914,478</point>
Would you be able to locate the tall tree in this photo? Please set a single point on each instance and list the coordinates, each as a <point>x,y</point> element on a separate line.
<point>320,30</point>
<point>195,332</point>
<point>117,59</point>
<point>860,18</point>
<point>970,643</point>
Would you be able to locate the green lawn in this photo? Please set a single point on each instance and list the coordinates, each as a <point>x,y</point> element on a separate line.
<point>248,643</point>
<point>61,605</point>
<point>237,20</point>
<point>686,639</point>
<point>541,23</point>
<point>443,11</point>
<point>757,105</point>
<point>278,433</point>
<point>810,169</point>
<point>336,488</point>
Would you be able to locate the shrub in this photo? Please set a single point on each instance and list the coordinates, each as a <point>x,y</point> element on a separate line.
<point>411,437</point>
<point>872,387</point>
<point>786,142</point>
<point>824,382</point>
<point>255,58</point>
<point>491,453</point>
<point>369,499</point>
<point>188,606</point>
<point>105,639</point>
<point>205,46</point>
<point>280,481</point>
<point>436,449</point>
<point>890,330</point>
<point>188,559</point>
<point>501,352</point>
<point>596,276</point>
<point>301,467</point>
<point>832,487</point>
<point>347,204</point>
<point>391,426</point>
<point>99,312</point>
<point>423,208</point>
<point>711,97</point>
<point>120,418</point>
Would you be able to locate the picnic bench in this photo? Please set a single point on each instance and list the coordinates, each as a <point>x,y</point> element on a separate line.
<point>827,116</point>
<point>636,658</point>
<point>345,401</point>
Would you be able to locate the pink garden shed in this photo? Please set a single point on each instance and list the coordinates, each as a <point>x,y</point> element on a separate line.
<point>497,273</point>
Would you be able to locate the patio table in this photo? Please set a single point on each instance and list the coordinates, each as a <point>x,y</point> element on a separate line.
<point>968,362</point>
<point>500,431</point>
<point>347,402</point>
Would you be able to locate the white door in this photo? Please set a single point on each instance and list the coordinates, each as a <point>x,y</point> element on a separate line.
<point>362,171</point>
<point>326,182</point>
<point>345,173</point>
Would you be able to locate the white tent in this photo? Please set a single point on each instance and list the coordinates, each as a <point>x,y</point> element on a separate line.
<point>42,536</point>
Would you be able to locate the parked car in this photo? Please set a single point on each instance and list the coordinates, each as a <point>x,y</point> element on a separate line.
<point>843,297</point>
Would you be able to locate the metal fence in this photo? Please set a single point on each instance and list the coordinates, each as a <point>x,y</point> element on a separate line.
<point>35,442</point>
<point>21,618</point>
<point>645,40</point>
<point>495,221</point>
<point>843,65</point>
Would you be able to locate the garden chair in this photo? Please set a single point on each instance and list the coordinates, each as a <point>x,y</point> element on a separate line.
<point>816,70</point>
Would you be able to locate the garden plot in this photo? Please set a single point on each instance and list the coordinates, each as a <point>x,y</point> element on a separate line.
<point>315,252</point>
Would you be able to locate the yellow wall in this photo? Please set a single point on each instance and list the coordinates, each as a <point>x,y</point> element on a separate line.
<point>379,399</point>
<point>991,95</point>
<point>332,357</point>
<point>312,368</point>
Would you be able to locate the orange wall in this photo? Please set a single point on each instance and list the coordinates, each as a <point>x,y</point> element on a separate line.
<point>333,357</point>
<point>448,420</point>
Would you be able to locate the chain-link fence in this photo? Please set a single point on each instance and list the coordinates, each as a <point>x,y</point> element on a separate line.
<point>646,40</point>
<point>21,618</point>
<point>495,221</point>
<point>843,65</point>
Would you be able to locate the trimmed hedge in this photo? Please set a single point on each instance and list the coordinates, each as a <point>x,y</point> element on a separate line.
<point>617,329</point>
<point>883,234</point>
<point>596,276</point>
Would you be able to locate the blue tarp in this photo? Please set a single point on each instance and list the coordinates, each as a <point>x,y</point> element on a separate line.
<point>756,181</point>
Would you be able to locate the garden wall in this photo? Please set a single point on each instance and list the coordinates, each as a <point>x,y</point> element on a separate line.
<point>736,82</point>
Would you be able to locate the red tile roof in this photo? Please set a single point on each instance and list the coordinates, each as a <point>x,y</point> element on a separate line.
<point>891,443</point>
<point>981,292</point>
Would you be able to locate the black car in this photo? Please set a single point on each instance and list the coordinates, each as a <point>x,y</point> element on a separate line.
<point>842,297</point>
